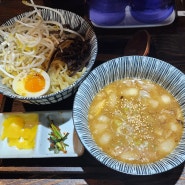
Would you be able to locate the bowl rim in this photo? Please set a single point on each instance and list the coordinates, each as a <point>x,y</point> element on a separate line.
<point>81,124</point>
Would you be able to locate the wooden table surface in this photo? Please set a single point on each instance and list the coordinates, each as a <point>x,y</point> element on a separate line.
<point>167,43</point>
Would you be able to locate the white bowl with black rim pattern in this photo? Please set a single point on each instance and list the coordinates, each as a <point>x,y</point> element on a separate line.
<point>86,29</point>
<point>141,67</point>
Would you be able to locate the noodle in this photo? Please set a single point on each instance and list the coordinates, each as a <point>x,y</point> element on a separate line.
<point>60,76</point>
<point>28,43</point>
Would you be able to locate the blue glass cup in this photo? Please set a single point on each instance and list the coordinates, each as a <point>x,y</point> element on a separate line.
<point>151,11</point>
<point>106,12</point>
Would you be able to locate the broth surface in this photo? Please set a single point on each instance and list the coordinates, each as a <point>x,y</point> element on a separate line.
<point>135,121</point>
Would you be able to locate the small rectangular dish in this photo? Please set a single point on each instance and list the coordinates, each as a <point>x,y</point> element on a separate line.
<point>41,149</point>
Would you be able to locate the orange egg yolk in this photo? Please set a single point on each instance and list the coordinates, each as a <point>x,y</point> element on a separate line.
<point>34,82</point>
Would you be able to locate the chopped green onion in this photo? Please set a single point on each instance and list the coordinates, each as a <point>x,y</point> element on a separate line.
<point>57,139</point>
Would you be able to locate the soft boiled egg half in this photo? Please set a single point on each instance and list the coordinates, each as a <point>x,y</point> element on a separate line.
<point>32,83</point>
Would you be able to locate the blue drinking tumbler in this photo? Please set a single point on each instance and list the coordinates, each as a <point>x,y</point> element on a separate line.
<point>151,11</point>
<point>106,12</point>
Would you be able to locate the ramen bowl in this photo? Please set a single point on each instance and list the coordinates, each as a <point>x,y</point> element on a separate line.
<point>85,29</point>
<point>141,67</point>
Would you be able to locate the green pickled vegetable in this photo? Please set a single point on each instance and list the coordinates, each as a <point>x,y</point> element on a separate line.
<point>57,139</point>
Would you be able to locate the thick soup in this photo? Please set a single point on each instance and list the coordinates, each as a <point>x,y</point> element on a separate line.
<point>135,121</point>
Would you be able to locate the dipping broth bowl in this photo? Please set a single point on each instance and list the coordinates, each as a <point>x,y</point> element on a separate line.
<point>141,67</point>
